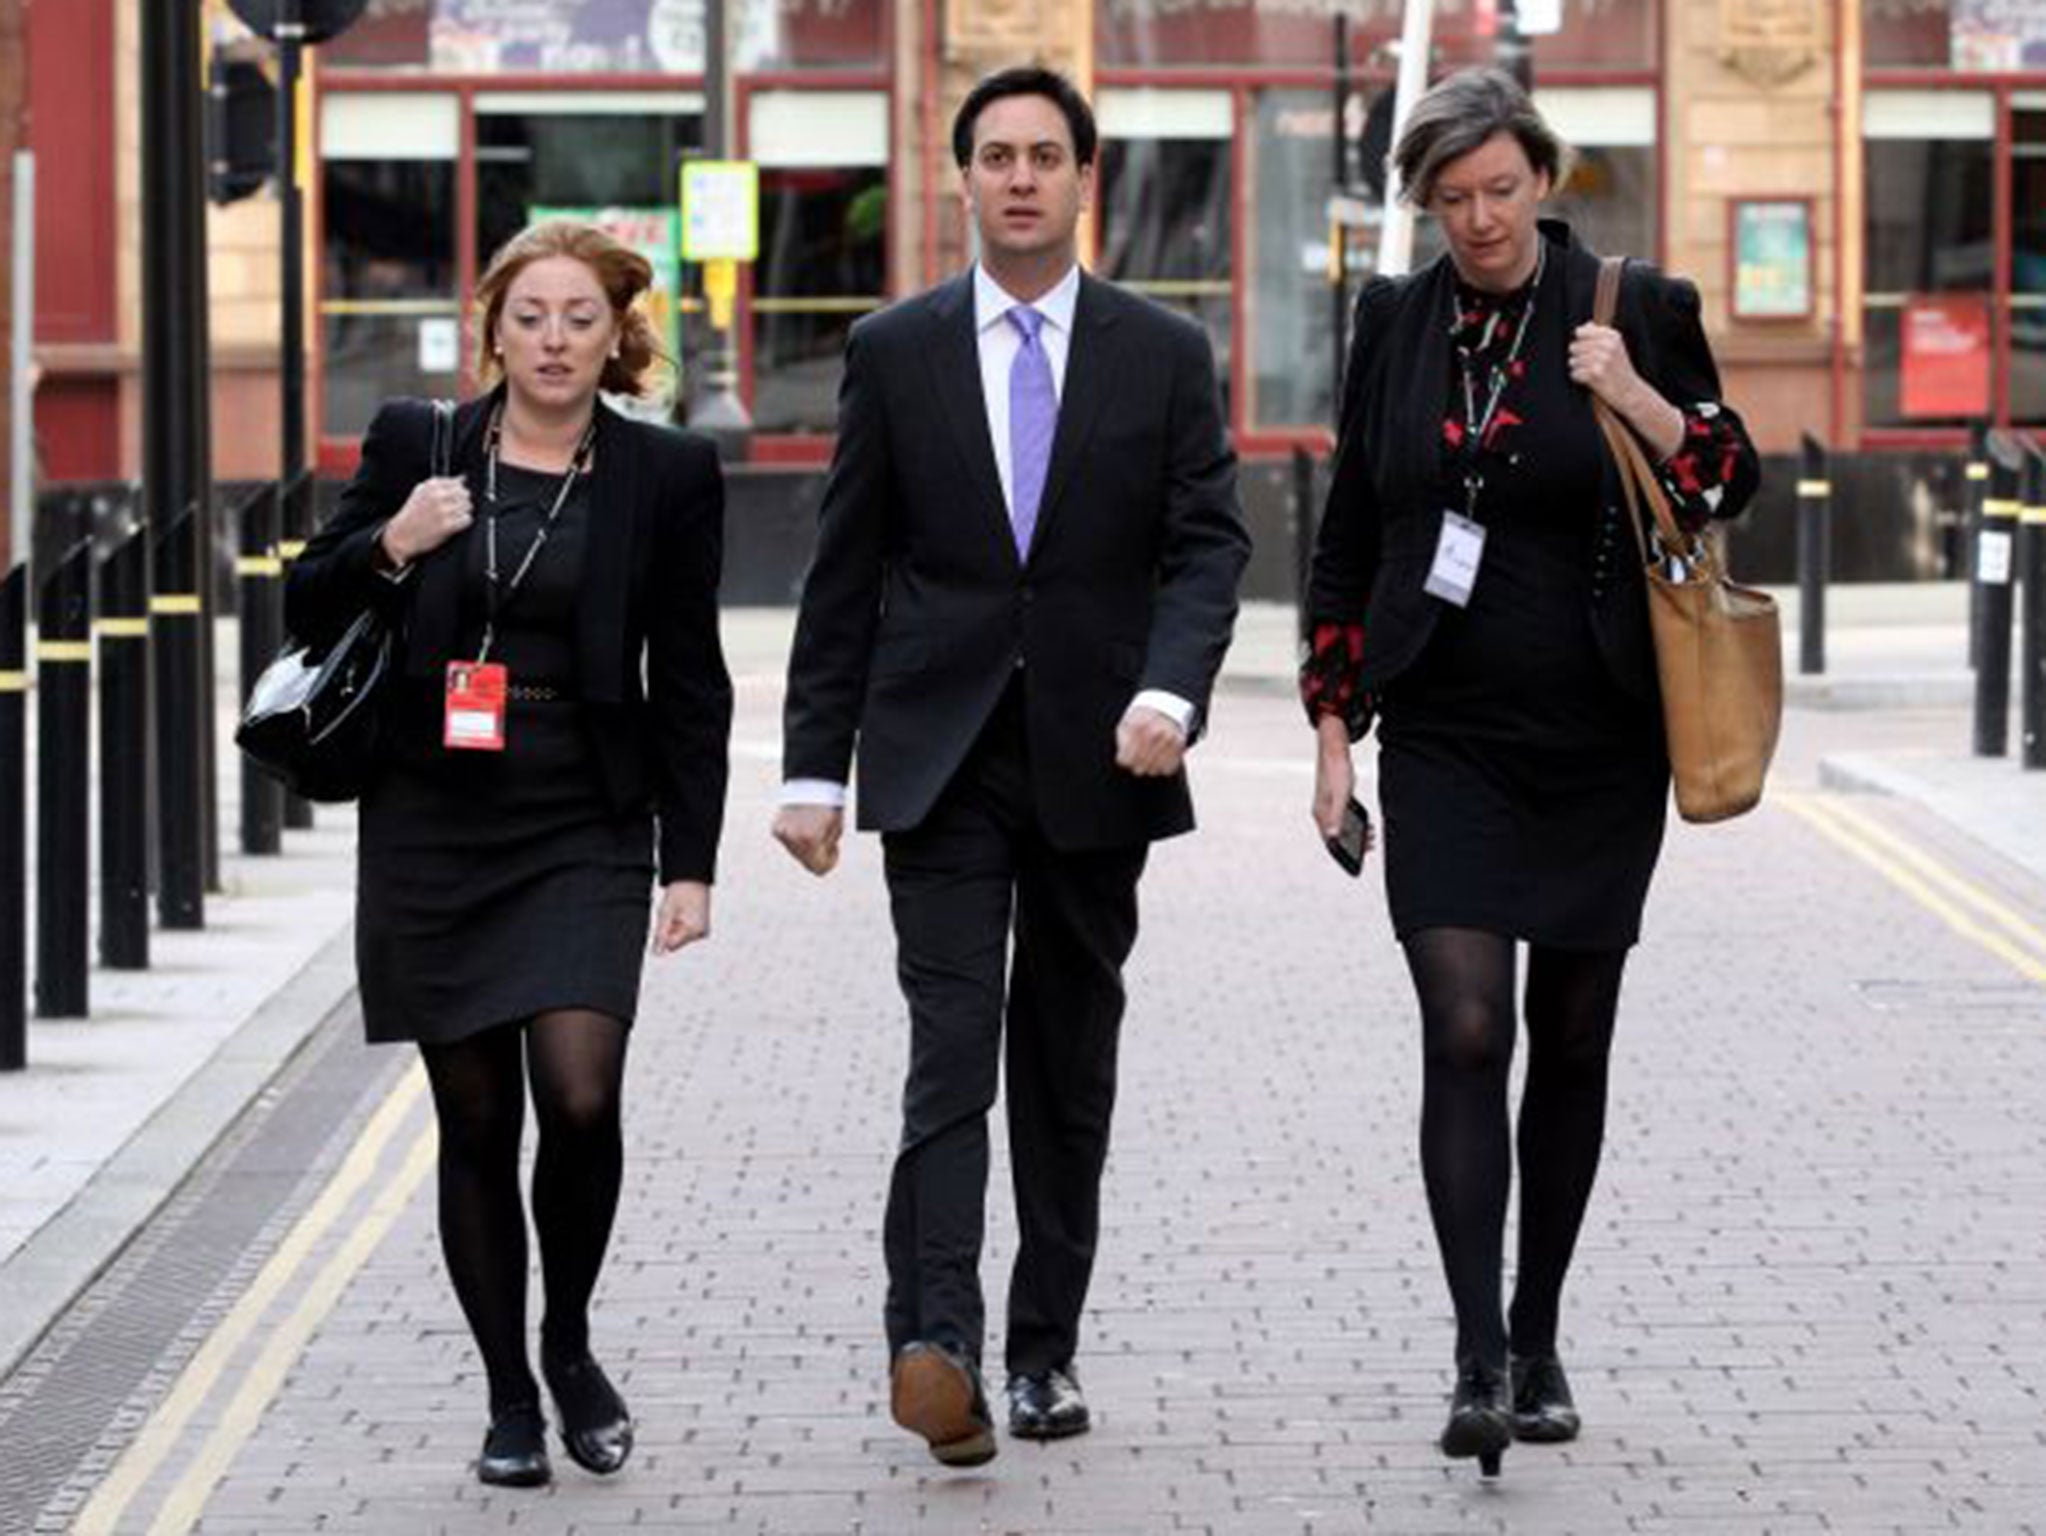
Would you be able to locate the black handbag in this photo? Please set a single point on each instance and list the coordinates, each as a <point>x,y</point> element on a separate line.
<point>314,721</point>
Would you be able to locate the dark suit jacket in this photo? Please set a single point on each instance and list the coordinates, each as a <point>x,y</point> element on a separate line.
<point>651,671</point>
<point>1387,492</point>
<point>917,613</point>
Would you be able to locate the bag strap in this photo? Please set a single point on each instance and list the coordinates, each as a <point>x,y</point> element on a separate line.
<point>1646,499</point>
<point>441,460</point>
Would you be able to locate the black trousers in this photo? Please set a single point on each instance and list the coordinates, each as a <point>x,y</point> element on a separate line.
<point>977,871</point>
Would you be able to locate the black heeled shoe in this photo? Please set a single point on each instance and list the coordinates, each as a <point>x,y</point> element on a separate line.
<point>515,1450</point>
<point>596,1427</point>
<point>1480,1423</point>
<point>1544,1413</point>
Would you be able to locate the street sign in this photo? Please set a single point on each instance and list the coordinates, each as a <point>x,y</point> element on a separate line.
<point>320,19</point>
<point>720,210</point>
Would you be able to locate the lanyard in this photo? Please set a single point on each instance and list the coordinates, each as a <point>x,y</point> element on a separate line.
<point>576,465</point>
<point>1475,423</point>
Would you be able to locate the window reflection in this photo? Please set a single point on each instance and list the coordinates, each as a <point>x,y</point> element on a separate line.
<point>823,263</point>
<point>2028,266</point>
<point>389,318</point>
<point>1928,231</point>
<point>1290,305</point>
<point>1165,227</point>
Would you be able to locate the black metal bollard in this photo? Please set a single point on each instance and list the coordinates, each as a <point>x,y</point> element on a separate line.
<point>294,525</point>
<point>63,783</point>
<point>1993,562</point>
<point>259,601</point>
<point>2032,573</point>
<point>176,614</point>
<point>1814,554</point>
<point>14,820</point>
<point>1975,486</point>
<point>123,628</point>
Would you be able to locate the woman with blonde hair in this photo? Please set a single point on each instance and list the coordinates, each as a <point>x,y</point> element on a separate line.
<point>556,745</point>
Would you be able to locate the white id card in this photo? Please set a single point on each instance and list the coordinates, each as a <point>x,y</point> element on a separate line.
<point>1457,554</point>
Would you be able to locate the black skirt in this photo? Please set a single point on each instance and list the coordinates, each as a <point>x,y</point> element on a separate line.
<point>493,888</point>
<point>1524,793</point>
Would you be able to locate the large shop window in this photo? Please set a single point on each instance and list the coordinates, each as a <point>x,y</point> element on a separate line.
<point>1975,36</point>
<point>1928,317</point>
<point>823,159</point>
<point>390,309</point>
<point>1272,34</point>
<point>605,37</point>
<point>1165,191</point>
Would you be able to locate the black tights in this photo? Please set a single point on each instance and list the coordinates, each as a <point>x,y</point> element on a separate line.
<point>1464,979</point>
<point>575,1060</point>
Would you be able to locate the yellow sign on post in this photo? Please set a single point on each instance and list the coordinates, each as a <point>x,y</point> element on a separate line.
<point>720,290</point>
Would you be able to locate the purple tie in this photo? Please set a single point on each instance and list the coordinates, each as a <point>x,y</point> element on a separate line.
<point>1033,417</point>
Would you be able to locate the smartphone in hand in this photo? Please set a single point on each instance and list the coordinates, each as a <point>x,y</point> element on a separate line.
<point>1354,840</point>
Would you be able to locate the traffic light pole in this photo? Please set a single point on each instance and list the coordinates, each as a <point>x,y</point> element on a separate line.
<point>294,508</point>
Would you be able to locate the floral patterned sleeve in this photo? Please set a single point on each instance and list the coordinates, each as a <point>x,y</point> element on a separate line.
<point>1329,678</point>
<point>1697,475</point>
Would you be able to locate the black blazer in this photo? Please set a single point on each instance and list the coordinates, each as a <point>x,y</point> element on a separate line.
<point>651,671</point>
<point>1386,495</point>
<point>917,613</point>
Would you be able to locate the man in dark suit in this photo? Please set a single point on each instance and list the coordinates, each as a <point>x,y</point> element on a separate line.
<point>1024,582</point>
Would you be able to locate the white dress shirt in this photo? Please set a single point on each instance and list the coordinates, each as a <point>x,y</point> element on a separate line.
<point>997,341</point>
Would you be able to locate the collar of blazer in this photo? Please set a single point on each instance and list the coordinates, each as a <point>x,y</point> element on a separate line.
<point>955,367</point>
<point>1412,361</point>
<point>615,487</point>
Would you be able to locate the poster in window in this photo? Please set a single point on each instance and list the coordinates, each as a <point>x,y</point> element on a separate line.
<point>1945,355</point>
<point>1772,258</point>
<point>1998,35</point>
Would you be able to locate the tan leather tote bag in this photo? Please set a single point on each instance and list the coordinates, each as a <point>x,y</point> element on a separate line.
<point>1718,646</point>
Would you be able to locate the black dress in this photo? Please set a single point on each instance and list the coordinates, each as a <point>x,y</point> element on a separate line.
<point>497,885</point>
<point>1523,791</point>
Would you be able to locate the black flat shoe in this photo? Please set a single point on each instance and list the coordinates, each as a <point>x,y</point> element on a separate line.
<point>515,1450</point>
<point>1047,1405</point>
<point>1479,1424</point>
<point>596,1427</point>
<point>1544,1413</point>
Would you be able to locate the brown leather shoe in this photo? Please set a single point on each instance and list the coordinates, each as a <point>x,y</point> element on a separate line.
<point>937,1393</point>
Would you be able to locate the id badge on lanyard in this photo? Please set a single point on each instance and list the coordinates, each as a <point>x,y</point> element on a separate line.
<point>477,691</point>
<point>1458,553</point>
<point>1460,548</point>
<point>474,717</point>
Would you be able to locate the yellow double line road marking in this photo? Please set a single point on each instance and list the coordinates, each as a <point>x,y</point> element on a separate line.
<point>1962,905</point>
<point>165,1427</point>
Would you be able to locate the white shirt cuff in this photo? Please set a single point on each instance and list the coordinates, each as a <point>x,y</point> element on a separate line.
<point>1179,711</point>
<point>813,792</point>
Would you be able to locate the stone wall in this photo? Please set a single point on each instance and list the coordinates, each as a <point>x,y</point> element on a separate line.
<point>1743,121</point>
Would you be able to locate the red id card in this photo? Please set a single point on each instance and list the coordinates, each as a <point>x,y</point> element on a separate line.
<point>475,706</point>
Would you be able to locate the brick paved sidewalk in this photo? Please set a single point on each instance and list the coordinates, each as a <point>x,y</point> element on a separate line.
<point>1811,1295</point>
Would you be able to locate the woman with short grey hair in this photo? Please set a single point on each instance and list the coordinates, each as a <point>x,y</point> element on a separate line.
<point>1477,597</point>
